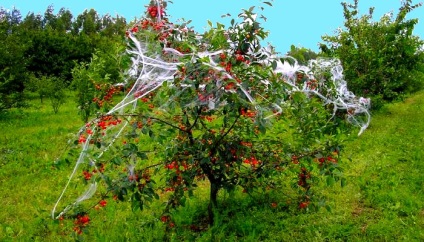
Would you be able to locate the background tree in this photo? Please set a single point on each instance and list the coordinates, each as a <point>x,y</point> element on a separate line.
<point>56,93</point>
<point>64,19</point>
<point>51,54</point>
<point>113,27</point>
<point>50,45</point>
<point>381,59</point>
<point>302,54</point>
<point>48,87</point>
<point>87,23</point>
<point>40,85</point>
<point>13,63</point>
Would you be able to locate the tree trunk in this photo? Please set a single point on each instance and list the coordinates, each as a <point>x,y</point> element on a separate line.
<point>213,201</point>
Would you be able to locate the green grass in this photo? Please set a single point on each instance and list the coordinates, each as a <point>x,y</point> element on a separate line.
<point>383,200</point>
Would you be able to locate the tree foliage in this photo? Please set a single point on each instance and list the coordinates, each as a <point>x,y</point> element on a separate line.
<point>52,88</point>
<point>57,93</point>
<point>94,81</point>
<point>49,45</point>
<point>215,108</point>
<point>381,59</point>
<point>302,54</point>
<point>13,63</point>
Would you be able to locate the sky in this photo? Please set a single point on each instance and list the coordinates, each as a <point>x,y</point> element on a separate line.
<point>290,22</point>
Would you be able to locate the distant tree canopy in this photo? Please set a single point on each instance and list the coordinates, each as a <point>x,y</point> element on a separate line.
<point>302,54</point>
<point>50,45</point>
<point>383,59</point>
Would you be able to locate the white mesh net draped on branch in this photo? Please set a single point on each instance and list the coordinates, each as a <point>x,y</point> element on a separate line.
<point>150,69</point>
<point>342,99</point>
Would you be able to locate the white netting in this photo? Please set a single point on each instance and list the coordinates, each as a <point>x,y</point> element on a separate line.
<point>151,69</point>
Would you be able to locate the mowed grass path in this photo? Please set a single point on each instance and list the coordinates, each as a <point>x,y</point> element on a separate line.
<point>383,201</point>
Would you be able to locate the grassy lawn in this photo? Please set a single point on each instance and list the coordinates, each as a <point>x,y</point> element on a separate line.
<point>383,200</point>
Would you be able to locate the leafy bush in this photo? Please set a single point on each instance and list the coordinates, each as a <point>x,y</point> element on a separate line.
<point>50,87</point>
<point>57,93</point>
<point>380,59</point>
<point>40,85</point>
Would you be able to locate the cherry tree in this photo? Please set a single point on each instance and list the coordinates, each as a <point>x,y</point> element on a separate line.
<point>215,108</point>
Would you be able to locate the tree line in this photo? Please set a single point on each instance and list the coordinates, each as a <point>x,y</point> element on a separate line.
<point>381,59</point>
<point>36,49</point>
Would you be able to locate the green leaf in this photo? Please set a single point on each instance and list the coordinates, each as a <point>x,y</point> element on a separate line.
<point>151,134</point>
<point>268,3</point>
<point>205,160</point>
<point>298,97</point>
<point>330,180</point>
<point>328,208</point>
<point>9,231</point>
<point>142,155</point>
<point>274,65</point>
<point>183,201</point>
<point>262,129</point>
<point>343,182</point>
<point>116,160</point>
